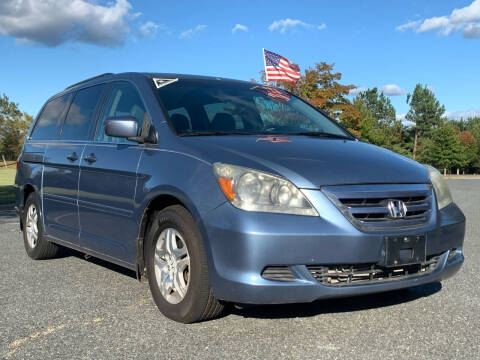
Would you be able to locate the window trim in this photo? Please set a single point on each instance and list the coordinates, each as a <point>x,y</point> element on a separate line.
<point>95,114</point>
<point>108,89</point>
<point>71,93</point>
<point>63,116</point>
<point>166,117</point>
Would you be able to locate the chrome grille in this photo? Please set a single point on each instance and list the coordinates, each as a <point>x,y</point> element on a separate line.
<point>358,274</point>
<point>366,206</point>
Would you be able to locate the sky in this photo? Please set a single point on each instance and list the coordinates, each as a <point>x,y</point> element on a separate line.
<point>46,45</point>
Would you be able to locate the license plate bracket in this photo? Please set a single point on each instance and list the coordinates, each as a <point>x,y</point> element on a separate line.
<point>405,250</point>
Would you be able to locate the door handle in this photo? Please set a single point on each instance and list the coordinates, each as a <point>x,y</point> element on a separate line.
<point>90,158</point>
<point>72,157</point>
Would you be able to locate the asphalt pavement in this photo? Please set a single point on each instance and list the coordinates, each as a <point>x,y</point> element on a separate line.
<point>72,308</point>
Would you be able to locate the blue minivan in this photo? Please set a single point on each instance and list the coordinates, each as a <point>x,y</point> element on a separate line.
<point>221,191</point>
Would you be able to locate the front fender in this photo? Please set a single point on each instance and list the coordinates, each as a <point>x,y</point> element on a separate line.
<point>186,178</point>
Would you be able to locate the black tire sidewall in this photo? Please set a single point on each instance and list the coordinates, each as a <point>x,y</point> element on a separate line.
<point>193,303</point>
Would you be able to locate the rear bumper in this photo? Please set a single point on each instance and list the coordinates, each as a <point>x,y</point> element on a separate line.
<point>241,244</point>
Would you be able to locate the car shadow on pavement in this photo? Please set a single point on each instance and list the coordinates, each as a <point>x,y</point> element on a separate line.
<point>340,305</point>
<point>66,252</point>
<point>329,306</point>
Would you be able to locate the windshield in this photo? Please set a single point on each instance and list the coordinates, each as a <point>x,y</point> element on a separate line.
<point>220,107</point>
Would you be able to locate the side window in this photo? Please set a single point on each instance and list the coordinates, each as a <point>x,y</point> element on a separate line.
<point>79,117</point>
<point>123,100</point>
<point>50,120</point>
<point>224,116</point>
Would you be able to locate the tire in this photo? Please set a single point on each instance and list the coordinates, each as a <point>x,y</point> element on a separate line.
<point>36,246</point>
<point>190,298</point>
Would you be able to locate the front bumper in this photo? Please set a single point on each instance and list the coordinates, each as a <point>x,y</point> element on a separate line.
<point>241,244</point>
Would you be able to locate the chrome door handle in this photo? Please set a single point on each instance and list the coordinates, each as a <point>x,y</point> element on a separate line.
<point>90,158</point>
<point>73,157</point>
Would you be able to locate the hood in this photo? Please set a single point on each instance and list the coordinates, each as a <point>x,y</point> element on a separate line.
<point>311,162</point>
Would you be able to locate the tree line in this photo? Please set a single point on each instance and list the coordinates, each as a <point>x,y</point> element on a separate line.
<point>427,135</point>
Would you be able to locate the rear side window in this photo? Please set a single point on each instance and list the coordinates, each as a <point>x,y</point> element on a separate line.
<point>79,117</point>
<point>123,100</point>
<point>50,120</point>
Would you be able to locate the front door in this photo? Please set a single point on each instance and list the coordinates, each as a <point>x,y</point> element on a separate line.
<point>108,180</point>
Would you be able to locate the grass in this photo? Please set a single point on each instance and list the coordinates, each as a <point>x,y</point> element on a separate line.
<point>7,190</point>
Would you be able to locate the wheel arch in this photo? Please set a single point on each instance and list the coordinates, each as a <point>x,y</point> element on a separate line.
<point>156,201</point>
<point>27,190</point>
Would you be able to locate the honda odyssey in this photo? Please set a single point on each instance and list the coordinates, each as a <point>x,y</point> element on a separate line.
<point>219,191</point>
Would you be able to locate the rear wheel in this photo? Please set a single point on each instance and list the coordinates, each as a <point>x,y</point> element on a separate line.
<point>36,246</point>
<point>177,267</point>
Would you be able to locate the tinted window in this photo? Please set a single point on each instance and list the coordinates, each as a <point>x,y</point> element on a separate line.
<point>230,106</point>
<point>50,120</point>
<point>213,111</point>
<point>79,117</point>
<point>123,100</point>
<point>180,119</point>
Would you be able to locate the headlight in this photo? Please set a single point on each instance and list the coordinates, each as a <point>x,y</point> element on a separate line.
<point>253,190</point>
<point>442,192</point>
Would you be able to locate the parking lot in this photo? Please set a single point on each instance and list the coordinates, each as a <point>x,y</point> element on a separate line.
<point>75,308</point>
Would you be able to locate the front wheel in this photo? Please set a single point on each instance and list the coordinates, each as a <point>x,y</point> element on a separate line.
<point>177,267</point>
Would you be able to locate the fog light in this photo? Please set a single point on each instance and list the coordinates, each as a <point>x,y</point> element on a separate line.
<point>452,254</point>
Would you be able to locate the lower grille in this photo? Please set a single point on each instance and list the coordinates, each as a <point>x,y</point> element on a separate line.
<point>278,273</point>
<point>344,275</point>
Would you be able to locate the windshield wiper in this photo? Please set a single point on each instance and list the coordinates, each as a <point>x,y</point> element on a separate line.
<point>216,133</point>
<point>323,134</point>
<point>305,133</point>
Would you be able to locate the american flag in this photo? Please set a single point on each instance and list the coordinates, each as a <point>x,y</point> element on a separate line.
<point>273,93</point>
<point>278,68</point>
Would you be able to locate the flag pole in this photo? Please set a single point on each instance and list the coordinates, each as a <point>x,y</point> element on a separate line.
<point>264,65</point>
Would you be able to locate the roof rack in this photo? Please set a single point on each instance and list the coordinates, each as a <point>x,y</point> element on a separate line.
<point>87,80</point>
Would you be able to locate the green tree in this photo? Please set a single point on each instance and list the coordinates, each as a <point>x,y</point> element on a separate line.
<point>444,149</point>
<point>469,149</point>
<point>367,121</point>
<point>469,133</point>
<point>13,127</point>
<point>473,126</point>
<point>425,111</point>
<point>8,109</point>
<point>377,118</point>
<point>379,105</point>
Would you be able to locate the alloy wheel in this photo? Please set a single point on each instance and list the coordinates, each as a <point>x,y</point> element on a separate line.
<point>31,226</point>
<point>172,265</point>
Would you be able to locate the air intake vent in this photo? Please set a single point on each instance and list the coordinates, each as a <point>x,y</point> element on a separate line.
<point>383,206</point>
<point>358,274</point>
<point>278,273</point>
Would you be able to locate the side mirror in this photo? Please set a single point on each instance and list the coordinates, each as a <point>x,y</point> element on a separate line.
<point>121,126</point>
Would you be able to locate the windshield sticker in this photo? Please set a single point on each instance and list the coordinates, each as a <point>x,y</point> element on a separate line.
<point>273,93</point>
<point>162,82</point>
